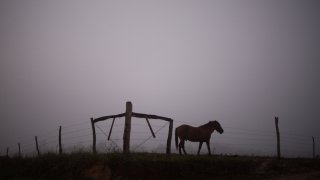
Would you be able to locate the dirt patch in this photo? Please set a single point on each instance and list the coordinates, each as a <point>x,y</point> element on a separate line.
<point>98,171</point>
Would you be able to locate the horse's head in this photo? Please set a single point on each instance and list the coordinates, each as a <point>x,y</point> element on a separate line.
<point>216,126</point>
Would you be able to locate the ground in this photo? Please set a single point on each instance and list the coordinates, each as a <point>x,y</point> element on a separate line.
<point>156,166</point>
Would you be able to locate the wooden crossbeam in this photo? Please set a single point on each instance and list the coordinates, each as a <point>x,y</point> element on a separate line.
<point>109,117</point>
<point>150,116</point>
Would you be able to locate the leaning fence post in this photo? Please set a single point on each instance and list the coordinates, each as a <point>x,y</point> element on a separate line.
<point>37,147</point>
<point>111,129</point>
<point>313,149</point>
<point>153,135</point>
<point>19,150</point>
<point>169,137</point>
<point>94,150</point>
<point>127,128</point>
<point>278,137</point>
<point>60,146</point>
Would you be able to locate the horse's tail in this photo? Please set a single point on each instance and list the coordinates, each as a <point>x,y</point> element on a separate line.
<point>176,137</point>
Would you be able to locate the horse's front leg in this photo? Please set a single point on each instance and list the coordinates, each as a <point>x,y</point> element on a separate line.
<point>208,145</point>
<point>185,153</point>
<point>200,145</point>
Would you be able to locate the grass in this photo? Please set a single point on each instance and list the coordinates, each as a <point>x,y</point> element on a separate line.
<point>153,166</point>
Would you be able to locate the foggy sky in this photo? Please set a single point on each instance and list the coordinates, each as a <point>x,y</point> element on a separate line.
<point>238,62</point>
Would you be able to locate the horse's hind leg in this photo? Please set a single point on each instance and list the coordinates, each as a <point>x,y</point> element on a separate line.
<point>185,153</point>
<point>200,145</point>
<point>180,146</point>
<point>208,145</point>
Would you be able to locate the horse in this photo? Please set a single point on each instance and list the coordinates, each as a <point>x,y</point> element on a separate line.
<point>196,134</point>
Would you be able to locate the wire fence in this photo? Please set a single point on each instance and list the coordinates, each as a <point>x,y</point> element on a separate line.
<point>77,136</point>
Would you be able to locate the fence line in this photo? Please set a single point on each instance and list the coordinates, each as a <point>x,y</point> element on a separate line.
<point>288,139</point>
<point>286,144</point>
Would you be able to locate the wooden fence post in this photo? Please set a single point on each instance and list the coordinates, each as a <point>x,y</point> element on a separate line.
<point>94,150</point>
<point>169,137</point>
<point>313,149</point>
<point>127,128</point>
<point>19,155</point>
<point>60,146</point>
<point>37,147</point>
<point>278,137</point>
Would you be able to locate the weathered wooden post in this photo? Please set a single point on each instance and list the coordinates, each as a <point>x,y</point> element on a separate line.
<point>19,155</point>
<point>278,137</point>
<point>60,146</point>
<point>94,149</point>
<point>313,149</point>
<point>37,147</point>
<point>169,137</point>
<point>127,128</point>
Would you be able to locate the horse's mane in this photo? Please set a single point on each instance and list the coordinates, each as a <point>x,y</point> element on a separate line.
<point>205,125</point>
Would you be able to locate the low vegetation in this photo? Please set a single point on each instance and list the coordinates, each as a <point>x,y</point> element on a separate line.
<point>152,166</point>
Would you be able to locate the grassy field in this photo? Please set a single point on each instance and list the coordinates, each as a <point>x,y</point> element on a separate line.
<point>156,166</point>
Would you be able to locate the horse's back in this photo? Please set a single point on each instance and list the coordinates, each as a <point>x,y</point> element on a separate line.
<point>183,128</point>
<point>184,131</point>
<point>191,133</point>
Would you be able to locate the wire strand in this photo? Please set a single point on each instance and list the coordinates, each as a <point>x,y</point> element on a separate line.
<point>150,137</point>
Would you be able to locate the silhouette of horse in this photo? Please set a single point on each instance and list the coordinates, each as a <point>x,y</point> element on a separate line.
<point>196,134</point>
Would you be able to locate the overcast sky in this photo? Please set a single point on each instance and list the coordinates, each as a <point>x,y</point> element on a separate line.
<point>238,62</point>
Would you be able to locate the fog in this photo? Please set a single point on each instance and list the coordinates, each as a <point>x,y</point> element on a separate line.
<point>238,62</point>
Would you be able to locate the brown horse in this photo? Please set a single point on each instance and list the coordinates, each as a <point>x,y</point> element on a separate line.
<point>196,134</point>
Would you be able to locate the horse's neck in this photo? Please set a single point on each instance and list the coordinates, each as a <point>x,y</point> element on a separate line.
<point>207,127</point>
<point>211,129</point>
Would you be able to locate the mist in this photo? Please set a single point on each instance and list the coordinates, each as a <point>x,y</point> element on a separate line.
<point>238,62</point>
